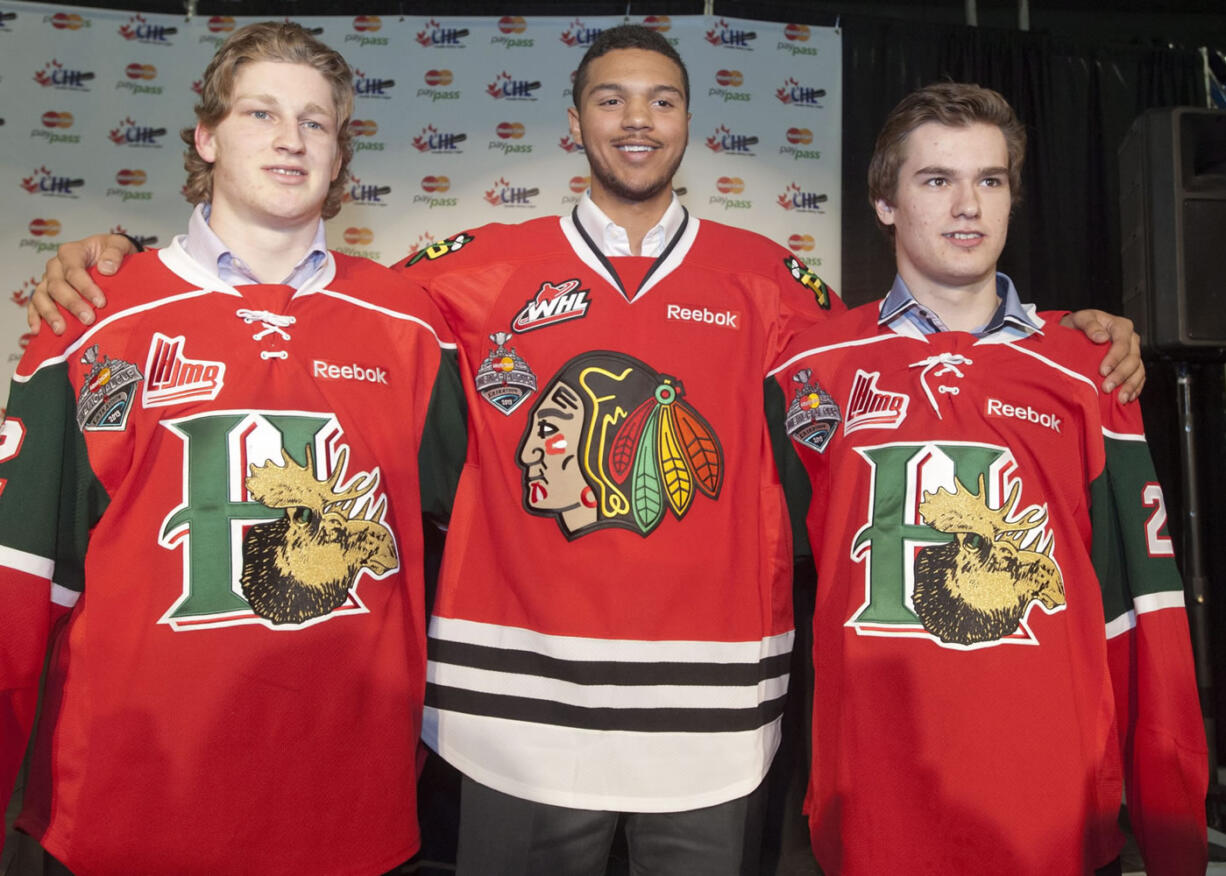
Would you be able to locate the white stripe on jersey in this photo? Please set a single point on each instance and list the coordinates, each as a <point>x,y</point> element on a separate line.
<point>31,564</point>
<point>1144,605</point>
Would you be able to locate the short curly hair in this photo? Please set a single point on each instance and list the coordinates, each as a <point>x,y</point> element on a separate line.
<point>627,36</point>
<point>281,41</point>
<point>956,104</point>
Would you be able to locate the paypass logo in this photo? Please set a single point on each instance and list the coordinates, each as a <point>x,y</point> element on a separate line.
<point>54,126</point>
<point>128,183</point>
<point>436,82</point>
<point>507,132</point>
<point>434,186</point>
<point>798,138</point>
<point>363,131</point>
<point>795,37</point>
<point>728,186</point>
<point>42,232</point>
<point>67,21</point>
<point>510,33</point>
<point>726,84</point>
<point>365,27</point>
<point>357,238</point>
<point>137,75</point>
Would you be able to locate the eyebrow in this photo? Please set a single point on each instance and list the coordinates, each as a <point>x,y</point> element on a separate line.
<point>270,99</point>
<point>933,170</point>
<point>617,86</point>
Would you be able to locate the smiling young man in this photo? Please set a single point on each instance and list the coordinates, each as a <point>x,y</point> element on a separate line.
<point>211,509</point>
<point>1000,644</point>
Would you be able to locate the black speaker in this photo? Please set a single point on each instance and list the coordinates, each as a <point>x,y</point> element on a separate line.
<point>1173,229</point>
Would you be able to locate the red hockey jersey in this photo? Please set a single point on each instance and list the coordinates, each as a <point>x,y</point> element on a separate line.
<point>1000,638</point>
<point>215,491</point>
<point>613,623</point>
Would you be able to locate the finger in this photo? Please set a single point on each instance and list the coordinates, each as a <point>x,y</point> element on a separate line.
<point>42,305</point>
<point>68,291</point>
<point>114,250</point>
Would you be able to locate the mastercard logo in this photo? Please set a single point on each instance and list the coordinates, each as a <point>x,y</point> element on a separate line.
<point>131,177</point>
<point>658,23</point>
<point>141,71</point>
<point>438,77</point>
<point>67,21</point>
<point>221,24</point>
<point>730,185</point>
<point>512,24</point>
<point>729,77</point>
<point>435,183</point>
<point>797,32</point>
<point>510,130</point>
<point>367,23</point>
<point>45,227</point>
<point>363,127</point>
<point>358,236</point>
<point>800,136</point>
<point>800,242</point>
<point>578,184</point>
<point>57,120</point>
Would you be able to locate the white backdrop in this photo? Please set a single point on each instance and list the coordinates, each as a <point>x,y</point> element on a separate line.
<point>459,122</point>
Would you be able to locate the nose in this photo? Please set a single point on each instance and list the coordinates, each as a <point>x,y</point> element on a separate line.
<point>966,200</point>
<point>636,114</point>
<point>289,135</point>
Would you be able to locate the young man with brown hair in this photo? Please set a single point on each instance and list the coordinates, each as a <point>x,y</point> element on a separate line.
<point>1000,643</point>
<point>211,510</point>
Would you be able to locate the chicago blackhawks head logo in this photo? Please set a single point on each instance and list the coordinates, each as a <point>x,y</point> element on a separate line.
<point>613,443</point>
<point>978,587</point>
<point>303,565</point>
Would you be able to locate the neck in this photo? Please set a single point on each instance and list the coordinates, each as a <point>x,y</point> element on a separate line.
<point>270,252</point>
<point>962,307</point>
<point>637,217</point>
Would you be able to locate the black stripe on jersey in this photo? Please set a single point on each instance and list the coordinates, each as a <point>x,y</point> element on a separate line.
<point>639,720</point>
<point>620,672</point>
<point>608,265</point>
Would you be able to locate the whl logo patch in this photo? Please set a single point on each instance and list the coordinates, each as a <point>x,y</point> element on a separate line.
<point>173,379</point>
<point>949,551</point>
<point>553,303</point>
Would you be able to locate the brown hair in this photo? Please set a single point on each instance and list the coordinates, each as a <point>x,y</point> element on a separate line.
<point>956,104</point>
<point>268,41</point>
<point>627,36</point>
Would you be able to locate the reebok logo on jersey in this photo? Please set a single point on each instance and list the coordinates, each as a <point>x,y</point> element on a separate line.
<point>996,408</point>
<point>725,318</point>
<point>361,373</point>
<point>871,408</point>
<point>552,303</point>
<point>173,378</point>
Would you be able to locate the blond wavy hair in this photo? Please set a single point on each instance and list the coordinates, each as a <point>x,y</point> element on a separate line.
<point>281,41</point>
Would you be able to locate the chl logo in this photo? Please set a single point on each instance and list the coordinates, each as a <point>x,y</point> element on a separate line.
<point>274,528</point>
<point>948,555</point>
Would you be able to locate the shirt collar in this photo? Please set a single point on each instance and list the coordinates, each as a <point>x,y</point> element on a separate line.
<point>209,250</point>
<point>612,239</point>
<point>900,305</point>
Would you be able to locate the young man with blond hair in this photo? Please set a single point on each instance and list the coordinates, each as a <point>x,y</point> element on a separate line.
<point>211,514</point>
<point>1000,643</point>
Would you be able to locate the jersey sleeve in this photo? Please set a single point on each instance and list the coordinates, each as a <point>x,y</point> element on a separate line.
<point>49,500</point>
<point>444,441</point>
<point>1149,651</point>
<point>804,299</point>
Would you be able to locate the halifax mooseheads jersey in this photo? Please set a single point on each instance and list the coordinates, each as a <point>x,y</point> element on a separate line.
<point>1000,637</point>
<point>613,623</point>
<point>212,496</point>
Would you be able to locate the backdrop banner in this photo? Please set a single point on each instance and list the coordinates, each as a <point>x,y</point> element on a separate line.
<point>458,122</point>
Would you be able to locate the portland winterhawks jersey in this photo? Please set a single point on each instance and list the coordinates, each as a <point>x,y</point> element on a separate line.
<point>1000,638</point>
<point>212,495</point>
<point>613,623</point>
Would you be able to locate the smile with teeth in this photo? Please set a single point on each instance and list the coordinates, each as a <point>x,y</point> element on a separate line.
<point>287,171</point>
<point>964,235</point>
<point>635,147</point>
